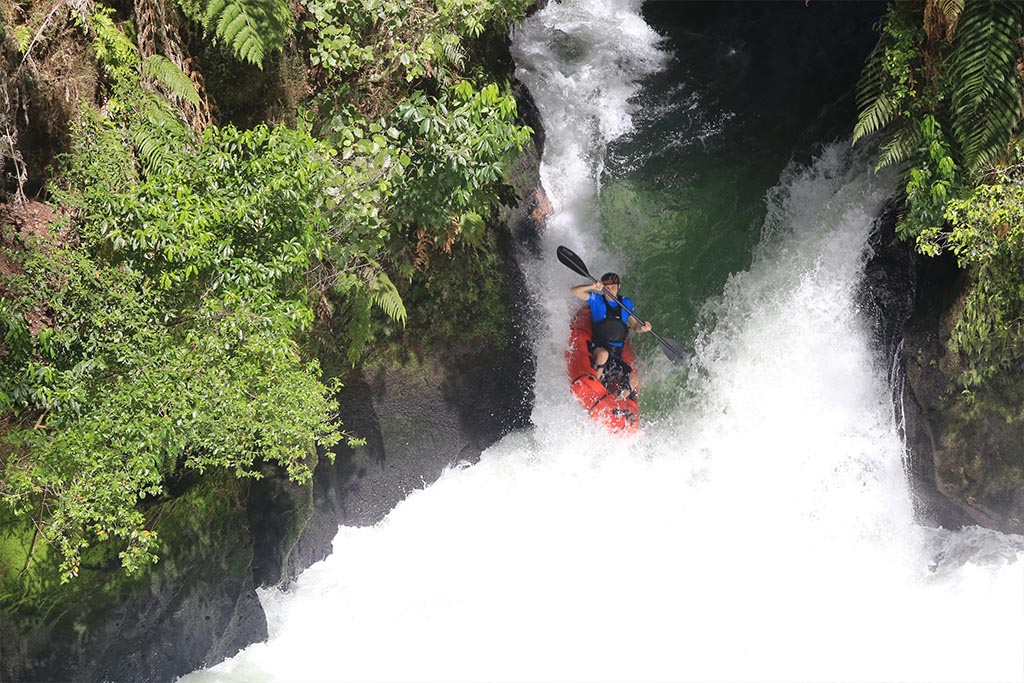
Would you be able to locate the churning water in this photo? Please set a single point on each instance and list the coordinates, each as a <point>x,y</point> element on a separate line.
<point>758,528</point>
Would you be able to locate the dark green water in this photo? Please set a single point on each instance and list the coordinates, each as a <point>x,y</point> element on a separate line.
<point>751,88</point>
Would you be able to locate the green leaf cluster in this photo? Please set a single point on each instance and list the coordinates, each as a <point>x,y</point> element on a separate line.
<point>171,331</point>
<point>943,88</point>
<point>459,145</point>
<point>250,28</point>
<point>987,237</point>
<point>165,328</point>
<point>381,43</point>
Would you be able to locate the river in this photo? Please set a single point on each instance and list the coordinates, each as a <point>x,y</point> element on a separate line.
<point>760,527</point>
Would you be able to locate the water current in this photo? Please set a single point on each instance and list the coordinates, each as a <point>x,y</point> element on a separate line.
<point>760,527</point>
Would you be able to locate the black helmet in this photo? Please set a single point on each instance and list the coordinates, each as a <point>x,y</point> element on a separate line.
<point>610,279</point>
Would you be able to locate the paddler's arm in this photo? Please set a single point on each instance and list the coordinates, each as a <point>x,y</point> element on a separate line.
<point>583,291</point>
<point>635,325</point>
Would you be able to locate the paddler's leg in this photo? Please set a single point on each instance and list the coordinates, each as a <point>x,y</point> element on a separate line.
<point>600,358</point>
<point>634,380</point>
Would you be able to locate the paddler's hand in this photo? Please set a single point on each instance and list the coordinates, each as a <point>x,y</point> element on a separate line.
<point>646,327</point>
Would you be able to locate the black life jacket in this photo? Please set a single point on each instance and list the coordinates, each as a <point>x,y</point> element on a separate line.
<point>611,330</point>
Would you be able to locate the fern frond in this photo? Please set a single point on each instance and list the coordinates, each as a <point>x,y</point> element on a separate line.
<point>900,147</point>
<point>385,296</point>
<point>986,98</point>
<point>874,118</point>
<point>251,28</point>
<point>871,81</point>
<point>941,16</point>
<point>165,72</point>
<point>454,53</point>
<point>873,102</point>
<point>157,134</point>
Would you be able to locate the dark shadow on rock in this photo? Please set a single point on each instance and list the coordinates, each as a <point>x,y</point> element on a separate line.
<point>902,290</point>
<point>968,455</point>
<point>886,294</point>
<point>492,390</point>
<point>278,511</point>
<point>340,487</point>
<point>197,607</point>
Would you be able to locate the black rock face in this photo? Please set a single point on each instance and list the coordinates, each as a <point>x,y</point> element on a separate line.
<point>965,458</point>
<point>417,421</point>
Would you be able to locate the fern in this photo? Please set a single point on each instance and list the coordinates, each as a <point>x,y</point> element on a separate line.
<point>875,117</point>
<point>251,28</point>
<point>166,73</point>
<point>900,148</point>
<point>873,100</point>
<point>157,134</point>
<point>941,16</point>
<point>454,53</point>
<point>385,296</point>
<point>986,99</point>
<point>114,50</point>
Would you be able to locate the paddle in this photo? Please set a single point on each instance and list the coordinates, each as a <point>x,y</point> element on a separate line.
<point>673,350</point>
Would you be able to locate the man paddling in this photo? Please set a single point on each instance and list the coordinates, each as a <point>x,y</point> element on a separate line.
<point>611,324</point>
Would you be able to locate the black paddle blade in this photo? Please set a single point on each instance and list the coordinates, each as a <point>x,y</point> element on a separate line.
<point>674,351</point>
<point>569,258</point>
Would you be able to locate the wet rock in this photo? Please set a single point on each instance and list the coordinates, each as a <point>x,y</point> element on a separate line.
<point>196,607</point>
<point>965,454</point>
<point>966,450</point>
<point>417,420</point>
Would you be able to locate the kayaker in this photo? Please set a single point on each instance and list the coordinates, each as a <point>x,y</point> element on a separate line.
<point>611,324</point>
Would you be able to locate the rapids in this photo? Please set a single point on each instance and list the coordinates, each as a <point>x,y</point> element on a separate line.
<point>760,526</point>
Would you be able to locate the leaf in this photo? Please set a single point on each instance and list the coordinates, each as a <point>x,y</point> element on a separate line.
<point>251,27</point>
<point>899,148</point>
<point>166,73</point>
<point>986,98</point>
<point>385,296</point>
<point>941,17</point>
<point>874,118</point>
<point>873,100</point>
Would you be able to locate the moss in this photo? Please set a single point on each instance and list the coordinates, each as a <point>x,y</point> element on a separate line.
<point>196,531</point>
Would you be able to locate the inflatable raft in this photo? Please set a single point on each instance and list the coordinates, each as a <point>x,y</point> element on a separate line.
<point>615,413</point>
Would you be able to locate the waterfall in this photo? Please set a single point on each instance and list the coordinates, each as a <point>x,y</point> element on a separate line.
<point>762,529</point>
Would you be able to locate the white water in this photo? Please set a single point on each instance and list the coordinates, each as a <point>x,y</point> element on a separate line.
<point>762,532</point>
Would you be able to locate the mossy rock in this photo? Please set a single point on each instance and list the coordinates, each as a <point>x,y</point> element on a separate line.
<point>195,607</point>
<point>966,448</point>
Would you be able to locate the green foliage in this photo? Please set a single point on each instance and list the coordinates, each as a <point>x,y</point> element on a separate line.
<point>167,73</point>
<point>164,331</point>
<point>474,17</point>
<point>423,150</point>
<point>886,84</point>
<point>929,186</point>
<point>379,47</point>
<point>943,66</point>
<point>384,294</point>
<point>153,122</point>
<point>419,184</point>
<point>173,341</point>
<point>988,236</point>
<point>476,309</point>
<point>339,28</point>
<point>114,50</point>
<point>251,28</point>
<point>949,66</point>
<point>459,145</point>
<point>986,96</point>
